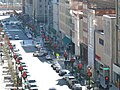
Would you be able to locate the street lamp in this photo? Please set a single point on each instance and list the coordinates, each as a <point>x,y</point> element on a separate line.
<point>72,60</point>
<point>89,76</point>
<point>80,68</point>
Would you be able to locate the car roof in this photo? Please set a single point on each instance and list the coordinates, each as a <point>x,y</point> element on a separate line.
<point>65,70</point>
<point>77,85</point>
<point>71,77</point>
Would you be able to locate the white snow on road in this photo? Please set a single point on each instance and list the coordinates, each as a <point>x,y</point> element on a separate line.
<point>42,72</point>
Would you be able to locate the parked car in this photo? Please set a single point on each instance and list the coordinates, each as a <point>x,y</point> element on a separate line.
<point>76,87</point>
<point>58,69</point>
<point>69,78</point>
<point>10,37</point>
<point>67,75</point>
<point>72,82</point>
<point>48,57</point>
<point>29,35</point>
<point>56,65</point>
<point>16,37</point>
<point>44,50</point>
<point>16,50</point>
<point>63,72</point>
<point>38,45</point>
<point>19,58</point>
<point>52,88</point>
<point>13,26</point>
<point>38,54</point>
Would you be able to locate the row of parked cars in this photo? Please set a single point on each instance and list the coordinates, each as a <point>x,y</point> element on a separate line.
<point>70,79</point>
<point>43,52</point>
<point>31,83</point>
<point>16,37</point>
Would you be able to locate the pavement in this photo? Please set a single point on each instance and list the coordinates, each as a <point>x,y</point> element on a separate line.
<point>61,58</point>
<point>102,81</point>
<point>2,85</point>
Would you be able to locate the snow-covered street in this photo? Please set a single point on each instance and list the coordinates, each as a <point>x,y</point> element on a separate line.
<point>41,72</point>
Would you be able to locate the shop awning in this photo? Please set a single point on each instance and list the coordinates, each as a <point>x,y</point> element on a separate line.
<point>66,40</point>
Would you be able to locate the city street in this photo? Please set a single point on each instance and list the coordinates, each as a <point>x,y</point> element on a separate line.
<point>41,72</point>
<point>45,77</point>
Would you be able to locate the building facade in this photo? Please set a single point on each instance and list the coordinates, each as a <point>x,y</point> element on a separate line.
<point>116,65</point>
<point>65,26</point>
<point>105,47</point>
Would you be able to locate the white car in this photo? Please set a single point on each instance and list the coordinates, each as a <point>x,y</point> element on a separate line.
<point>69,78</point>
<point>76,87</point>
<point>66,75</point>
<point>63,72</point>
<point>29,35</point>
<point>16,37</point>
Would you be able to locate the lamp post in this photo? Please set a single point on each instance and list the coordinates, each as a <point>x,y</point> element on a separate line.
<point>80,67</point>
<point>89,76</point>
<point>72,60</point>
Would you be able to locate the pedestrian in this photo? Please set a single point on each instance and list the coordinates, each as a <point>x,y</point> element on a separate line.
<point>65,55</point>
<point>2,61</point>
<point>23,42</point>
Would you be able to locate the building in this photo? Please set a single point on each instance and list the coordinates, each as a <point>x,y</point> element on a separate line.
<point>40,10</point>
<point>65,25</point>
<point>105,46</point>
<point>116,65</point>
<point>28,6</point>
<point>77,27</point>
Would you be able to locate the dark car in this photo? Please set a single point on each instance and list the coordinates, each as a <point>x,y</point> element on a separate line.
<point>19,58</point>
<point>52,88</point>
<point>38,54</point>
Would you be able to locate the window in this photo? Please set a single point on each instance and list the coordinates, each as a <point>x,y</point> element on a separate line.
<point>40,6</point>
<point>31,1</point>
<point>40,0</point>
<point>101,41</point>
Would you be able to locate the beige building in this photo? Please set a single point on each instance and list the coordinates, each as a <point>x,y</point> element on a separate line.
<point>37,9</point>
<point>105,46</point>
<point>40,10</point>
<point>116,65</point>
<point>65,25</point>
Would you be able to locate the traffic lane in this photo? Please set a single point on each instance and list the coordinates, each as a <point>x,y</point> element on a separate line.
<point>29,49</point>
<point>44,75</point>
<point>20,34</point>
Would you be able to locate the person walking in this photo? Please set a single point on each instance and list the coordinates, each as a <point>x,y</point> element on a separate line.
<point>65,55</point>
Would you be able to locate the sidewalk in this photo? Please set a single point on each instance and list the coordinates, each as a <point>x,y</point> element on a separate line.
<point>2,86</point>
<point>102,81</point>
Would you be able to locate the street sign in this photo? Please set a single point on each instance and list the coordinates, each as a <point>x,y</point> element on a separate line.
<point>106,68</point>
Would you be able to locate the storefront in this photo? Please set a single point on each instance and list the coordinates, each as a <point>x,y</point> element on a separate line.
<point>116,75</point>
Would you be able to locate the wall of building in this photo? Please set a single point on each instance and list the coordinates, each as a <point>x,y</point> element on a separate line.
<point>40,8</point>
<point>109,37</point>
<point>64,18</point>
<point>99,48</point>
<point>56,15</point>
